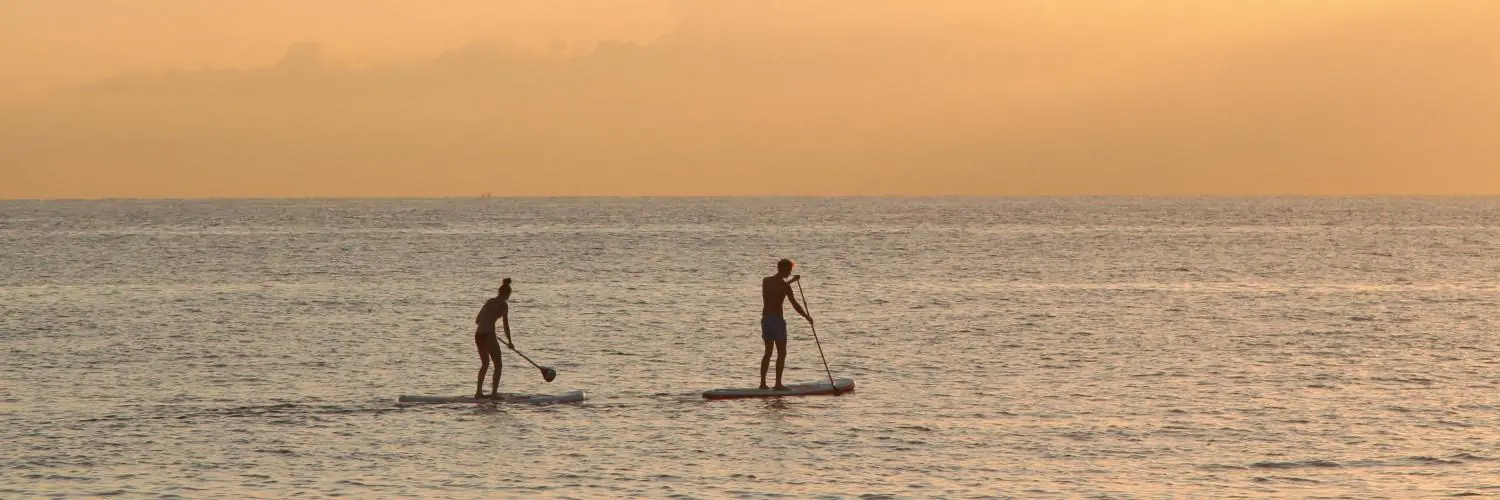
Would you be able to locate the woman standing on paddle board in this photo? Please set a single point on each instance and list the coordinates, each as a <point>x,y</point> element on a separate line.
<point>494,310</point>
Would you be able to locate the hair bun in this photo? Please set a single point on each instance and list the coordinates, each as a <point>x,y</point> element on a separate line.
<point>505,281</point>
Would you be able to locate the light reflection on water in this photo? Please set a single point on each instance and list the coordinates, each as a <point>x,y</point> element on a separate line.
<point>1068,347</point>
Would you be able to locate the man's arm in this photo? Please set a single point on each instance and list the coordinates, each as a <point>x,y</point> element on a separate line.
<point>793,297</point>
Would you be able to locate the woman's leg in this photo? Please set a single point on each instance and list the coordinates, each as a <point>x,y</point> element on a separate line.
<point>484,363</point>
<point>499,366</point>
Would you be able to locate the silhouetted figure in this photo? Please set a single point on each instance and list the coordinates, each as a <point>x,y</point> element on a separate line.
<point>772,325</point>
<point>494,310</point>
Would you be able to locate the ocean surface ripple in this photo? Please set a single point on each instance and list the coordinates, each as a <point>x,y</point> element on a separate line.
<point>1005,348</point>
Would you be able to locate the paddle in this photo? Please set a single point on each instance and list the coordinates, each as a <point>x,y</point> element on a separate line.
<point>547,372</point>
<point>814,327</point>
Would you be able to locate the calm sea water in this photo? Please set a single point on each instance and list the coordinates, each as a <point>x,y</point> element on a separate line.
<point>1003,347</point>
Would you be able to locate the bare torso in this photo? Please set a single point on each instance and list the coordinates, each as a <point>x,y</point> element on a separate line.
<point>491,312</point>
<point>775,291</point>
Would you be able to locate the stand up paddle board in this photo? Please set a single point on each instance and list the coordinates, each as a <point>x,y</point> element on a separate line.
<point>839,386</point>
<point>531,399</point>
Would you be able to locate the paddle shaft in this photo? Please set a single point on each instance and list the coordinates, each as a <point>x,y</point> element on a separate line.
<point>523,356</point>
<point>547,373</point>
<point>819,343</point>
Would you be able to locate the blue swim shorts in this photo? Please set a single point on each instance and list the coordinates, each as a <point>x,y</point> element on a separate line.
<point>772,328</point>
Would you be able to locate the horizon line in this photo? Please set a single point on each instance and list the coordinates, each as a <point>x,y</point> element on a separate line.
<point>754,196</point>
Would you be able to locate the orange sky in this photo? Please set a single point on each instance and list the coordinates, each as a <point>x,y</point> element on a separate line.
<point>185,98</point>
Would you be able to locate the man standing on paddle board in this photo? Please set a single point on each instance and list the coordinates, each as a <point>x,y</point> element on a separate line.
<point>494,310</point>
<point>772,325</point>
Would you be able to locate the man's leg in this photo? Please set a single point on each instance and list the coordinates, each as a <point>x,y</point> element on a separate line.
<point>765,363</point>
<point>780,362</point>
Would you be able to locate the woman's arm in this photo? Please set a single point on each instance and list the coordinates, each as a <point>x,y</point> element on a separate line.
<point>505,319</point>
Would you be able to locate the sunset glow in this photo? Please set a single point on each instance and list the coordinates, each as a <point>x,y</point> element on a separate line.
<point>346,98</point>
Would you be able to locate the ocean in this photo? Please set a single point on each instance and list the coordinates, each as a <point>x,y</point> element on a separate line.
<point>1002,347</point>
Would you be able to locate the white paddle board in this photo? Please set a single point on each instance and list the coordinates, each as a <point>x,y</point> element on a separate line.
<point>534,399</point>
<point>823,388</point>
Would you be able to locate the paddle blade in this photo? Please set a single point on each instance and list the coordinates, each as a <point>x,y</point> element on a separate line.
<point>548,373</point>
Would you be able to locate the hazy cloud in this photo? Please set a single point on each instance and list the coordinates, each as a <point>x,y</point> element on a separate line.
<point>838,97</point>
